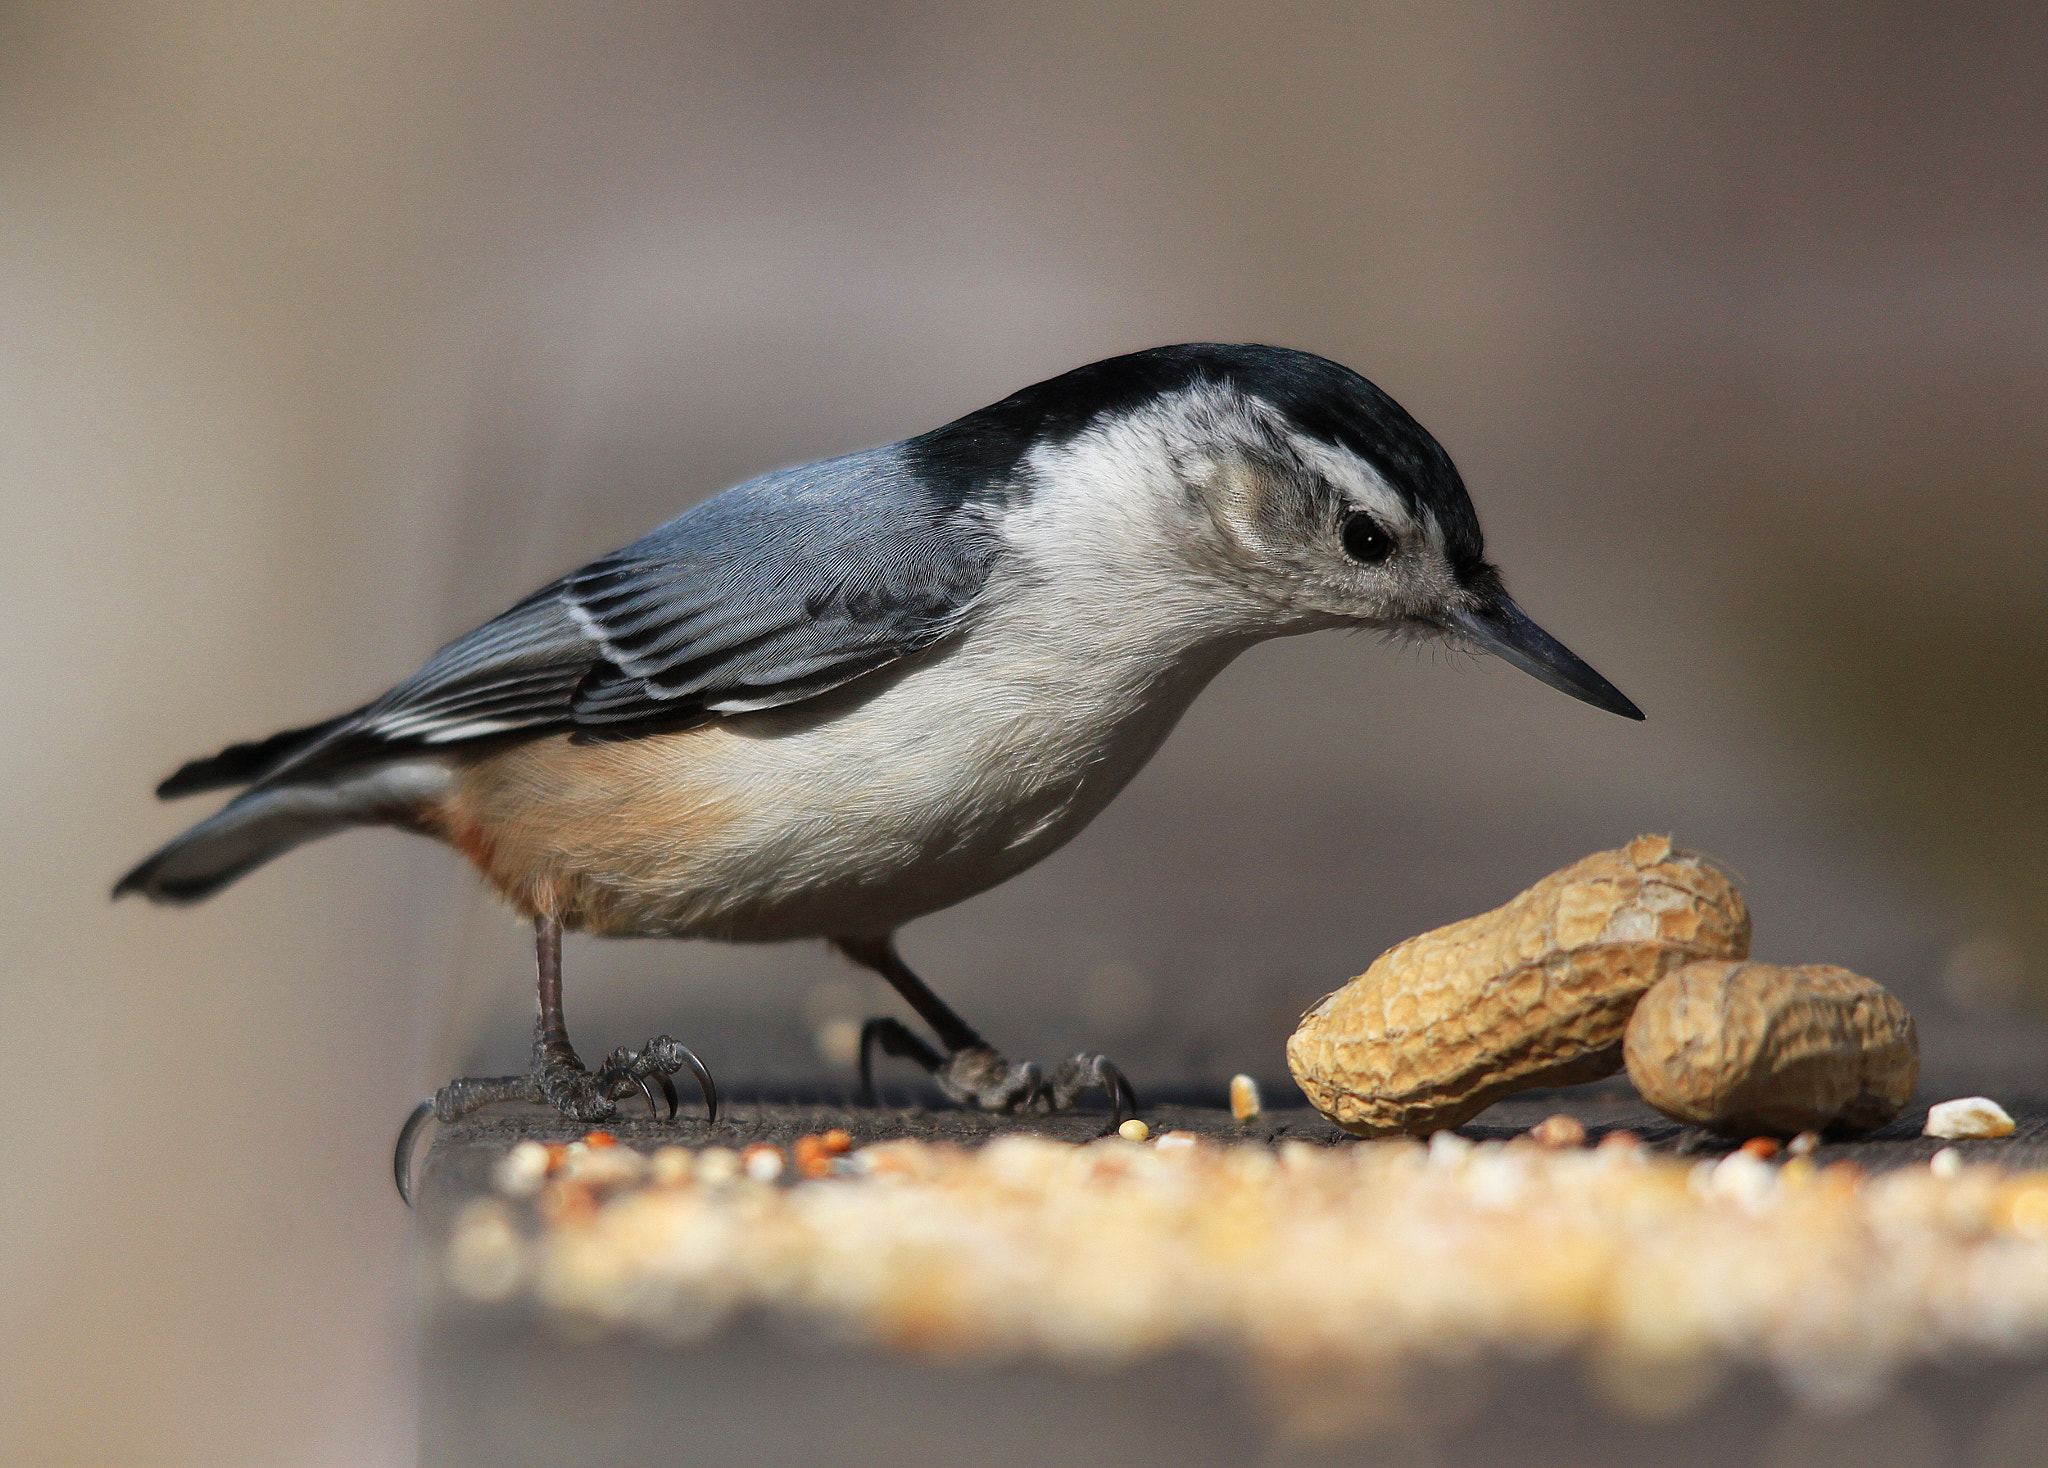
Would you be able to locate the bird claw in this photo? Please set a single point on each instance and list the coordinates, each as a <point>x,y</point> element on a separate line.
<point>978,1076</point>
<point>559,1080</point>
<point>401,1155</point>
<point>654,1106</point>
<point>1085,1071</point>
<point>661,1058</point>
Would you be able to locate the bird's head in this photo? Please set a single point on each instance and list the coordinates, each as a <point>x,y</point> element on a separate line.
<point>1289,492</point>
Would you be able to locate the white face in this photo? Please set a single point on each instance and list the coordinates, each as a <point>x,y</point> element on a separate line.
<point>1213,498</point>
<point>1305,534</point>
<point>1321,532</point>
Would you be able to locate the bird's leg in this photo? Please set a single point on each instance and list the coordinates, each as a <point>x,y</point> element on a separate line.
<point>971,1071</point>
<point>558,1077</point>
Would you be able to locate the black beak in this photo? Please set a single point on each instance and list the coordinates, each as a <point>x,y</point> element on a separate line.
<point>1500,627</point>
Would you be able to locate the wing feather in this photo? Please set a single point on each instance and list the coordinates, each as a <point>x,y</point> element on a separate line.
<point>778,590</point>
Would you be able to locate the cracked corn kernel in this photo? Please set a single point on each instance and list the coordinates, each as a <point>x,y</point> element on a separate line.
<point>1244,1098</point>
<point>810,1156</point>
<point>1134,1130</point>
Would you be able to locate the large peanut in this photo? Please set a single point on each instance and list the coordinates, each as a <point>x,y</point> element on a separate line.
<point>1749,1049</point>
<point>1535,993</point>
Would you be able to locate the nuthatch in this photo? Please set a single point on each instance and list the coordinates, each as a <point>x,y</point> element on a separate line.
<point>839,697</point>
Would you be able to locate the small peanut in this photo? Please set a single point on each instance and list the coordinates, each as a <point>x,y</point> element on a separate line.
<point>1750,1049</point>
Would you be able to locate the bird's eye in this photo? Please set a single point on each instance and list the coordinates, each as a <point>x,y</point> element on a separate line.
<point>1365,541</point>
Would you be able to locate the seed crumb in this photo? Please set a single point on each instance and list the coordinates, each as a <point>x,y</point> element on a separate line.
<point>1245,1104</point>
<point>1558,1130</point>
<point>1969,1116</point>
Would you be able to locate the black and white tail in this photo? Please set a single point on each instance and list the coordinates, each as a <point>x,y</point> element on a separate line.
<point>275,815</point>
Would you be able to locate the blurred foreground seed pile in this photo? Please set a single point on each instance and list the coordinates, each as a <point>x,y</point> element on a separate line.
<point>1342,1271</point>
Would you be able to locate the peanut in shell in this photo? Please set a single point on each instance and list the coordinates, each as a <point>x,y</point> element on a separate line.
<point>1752,1049</point>
<point>1535,993</point>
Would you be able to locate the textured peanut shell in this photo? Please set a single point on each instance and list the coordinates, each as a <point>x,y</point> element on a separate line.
<point>1750,1049</point>
<point>1535,993</point>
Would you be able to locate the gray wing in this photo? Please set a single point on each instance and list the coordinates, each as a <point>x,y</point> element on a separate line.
<point>774,591</point>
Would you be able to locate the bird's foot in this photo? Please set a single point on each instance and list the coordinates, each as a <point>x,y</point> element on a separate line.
<point>560,1079</point>
<point>1085,1071</point>
<point>978,1076</point>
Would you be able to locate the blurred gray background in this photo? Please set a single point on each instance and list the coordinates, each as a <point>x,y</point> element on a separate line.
<point>331,330</point>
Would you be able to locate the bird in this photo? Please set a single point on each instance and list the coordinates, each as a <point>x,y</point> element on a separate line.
<point>838,697</point>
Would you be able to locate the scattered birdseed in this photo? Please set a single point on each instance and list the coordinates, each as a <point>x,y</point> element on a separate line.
<point>1661,1275</point>
<point>668,1167</point>
<point>1244,1098</point>
<point>717,1165</point>
<point>1948,1162</point>
<point>606,1166</point>
<point>1804,1145</point>
<point>1558,1130</point>
<point>522,1170</point>
<point>810,1156</point>
<point>1972,1116</point>
<point>1134,1130</point>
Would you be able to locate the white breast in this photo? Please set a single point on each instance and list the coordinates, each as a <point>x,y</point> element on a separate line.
<point>965,769</point>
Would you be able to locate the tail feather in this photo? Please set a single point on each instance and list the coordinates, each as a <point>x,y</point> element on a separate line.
<point>270,820</point>
<point>244,764</point>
